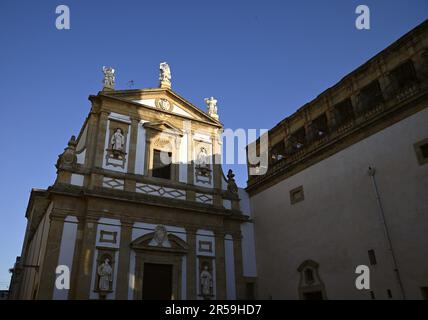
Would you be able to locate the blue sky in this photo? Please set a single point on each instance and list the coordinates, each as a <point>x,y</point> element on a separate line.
<point>260,59</point>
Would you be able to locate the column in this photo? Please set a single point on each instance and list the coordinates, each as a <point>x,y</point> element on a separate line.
<point>239,272</point>
<point>91,138</point>
<point>100,139</point>
<point>217,170</point>
<point>86,258</point>
<point>190,194</point>
<point>220,265</point>
<point>133,145</point>
<point>191,264</point>
<point>190,169</point>
<point>50,261</point>
<point>124,256</point>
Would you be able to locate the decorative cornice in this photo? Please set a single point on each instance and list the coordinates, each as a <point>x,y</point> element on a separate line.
<point>132,197</point>
<point>360,129</point>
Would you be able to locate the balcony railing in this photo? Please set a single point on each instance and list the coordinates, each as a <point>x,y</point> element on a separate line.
<point>407,92</point>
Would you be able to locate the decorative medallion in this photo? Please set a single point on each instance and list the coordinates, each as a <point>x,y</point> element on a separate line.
<point>160,238</point>
<point>163,104</point>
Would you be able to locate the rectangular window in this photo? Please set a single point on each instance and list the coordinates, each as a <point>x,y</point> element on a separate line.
<point>300,136</point>
<point>297,195</point>
<point>421,149</point>
<point>160,169</point>
<point>343,112</point>
<point>372,257</point>
<point>320,126</point>
<point>404,75</point>
<point>296,140</point>
<point>424,150</point>
<point>370,96</point>
<point>424,291</point>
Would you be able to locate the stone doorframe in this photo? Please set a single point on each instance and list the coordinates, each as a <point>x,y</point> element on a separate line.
<point>172,255</point>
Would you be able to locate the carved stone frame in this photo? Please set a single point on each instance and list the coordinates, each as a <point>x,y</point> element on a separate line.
<point>144,253</point>
<point>156,132</point>
<point>111,159</point>
<point>421,159</point>
<point>316,285</point>
<point>157,258</point>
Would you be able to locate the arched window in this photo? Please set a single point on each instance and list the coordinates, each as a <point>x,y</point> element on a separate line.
<point>309,276</point>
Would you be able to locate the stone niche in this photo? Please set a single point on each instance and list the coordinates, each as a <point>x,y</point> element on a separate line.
<point>206,278</point>
<point>104,272</point>
<point>203,161</point>
<point>117,144</point>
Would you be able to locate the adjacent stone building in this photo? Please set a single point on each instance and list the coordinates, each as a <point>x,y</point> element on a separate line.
<point>347,185</point>
<point>139,209</point>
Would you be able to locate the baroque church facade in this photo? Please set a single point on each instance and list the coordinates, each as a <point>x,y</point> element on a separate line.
<point>140,209</point>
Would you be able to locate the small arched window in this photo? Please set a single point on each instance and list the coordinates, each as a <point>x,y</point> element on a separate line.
<point>309,276</point>
<point>311,286</point>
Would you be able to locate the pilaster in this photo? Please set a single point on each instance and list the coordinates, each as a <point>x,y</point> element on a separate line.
<point>191,264</point>
<point>50,261</point>
<point>124,257</point>
<point>220,265</point>
<point>239,271</point>
<point>86,258</point>
<point>100,139</point>
<point>133,146</point>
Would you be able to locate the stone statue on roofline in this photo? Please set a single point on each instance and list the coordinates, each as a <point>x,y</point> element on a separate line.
<point>109,79</point>
<point>165,75</point>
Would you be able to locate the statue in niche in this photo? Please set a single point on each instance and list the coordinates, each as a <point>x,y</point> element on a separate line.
<point>206,281</point>
<point>203,171</point>
<point>231,184</point>
<point>109,77</point>
<point>105,275</point>
<point>203,158</point>
<point>117,143</point>
<point>164,73</point>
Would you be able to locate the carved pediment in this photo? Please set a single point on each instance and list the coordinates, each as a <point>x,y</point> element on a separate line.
<point>164,101</point>
<point>154,242</point>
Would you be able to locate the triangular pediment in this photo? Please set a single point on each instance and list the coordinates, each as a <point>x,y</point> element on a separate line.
<point>164,101</point>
